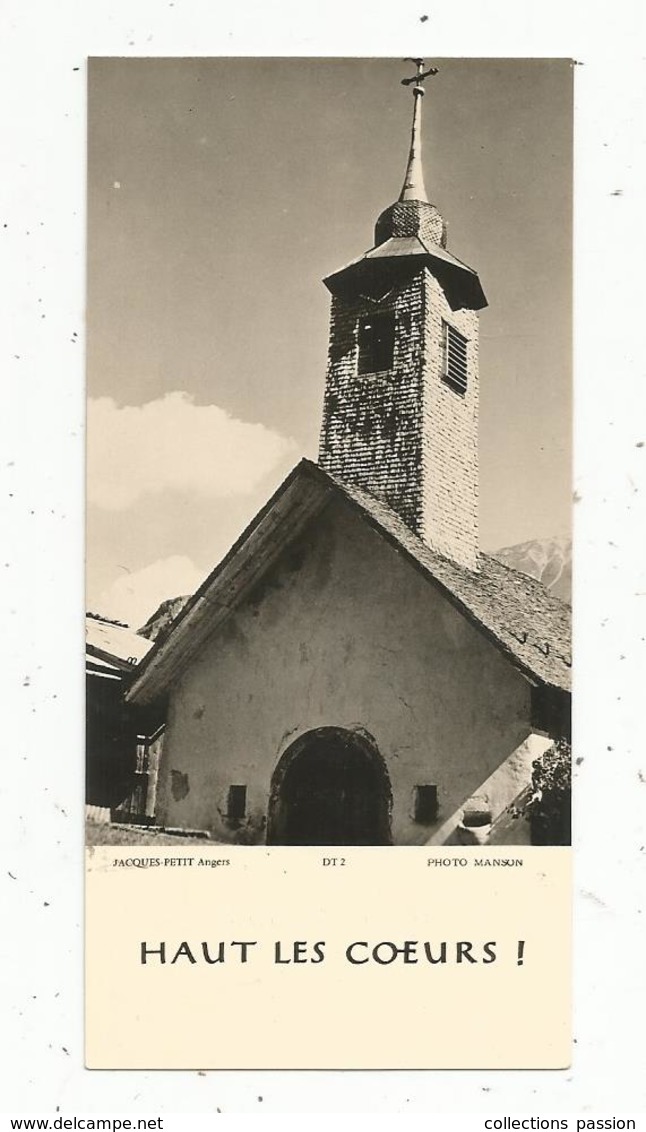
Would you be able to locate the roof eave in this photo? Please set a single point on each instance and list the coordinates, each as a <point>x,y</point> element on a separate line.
<point>374,269</point>
<point>301,496</point>
<point>282,517</point>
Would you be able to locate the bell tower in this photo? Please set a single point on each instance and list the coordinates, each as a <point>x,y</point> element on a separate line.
<point>400,415</point>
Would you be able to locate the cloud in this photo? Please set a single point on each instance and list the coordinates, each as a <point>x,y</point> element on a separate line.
<point>173,445</point>
<point>135,595</point>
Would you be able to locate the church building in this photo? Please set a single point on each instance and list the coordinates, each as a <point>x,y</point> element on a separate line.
<point>356,670</point>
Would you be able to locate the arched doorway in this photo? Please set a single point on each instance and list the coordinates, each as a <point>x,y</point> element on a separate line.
<point>331,787</point>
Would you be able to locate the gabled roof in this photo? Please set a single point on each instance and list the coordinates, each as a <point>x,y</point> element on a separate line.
<point>528,624</point>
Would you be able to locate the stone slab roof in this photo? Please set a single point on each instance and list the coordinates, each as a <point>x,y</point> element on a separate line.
<point>528,624</point>
<point>532,625</point>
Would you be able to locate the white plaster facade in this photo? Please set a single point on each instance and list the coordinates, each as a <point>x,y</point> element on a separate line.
<point>342,631</point>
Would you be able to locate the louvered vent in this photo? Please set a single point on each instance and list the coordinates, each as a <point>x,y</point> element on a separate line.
<point>455,359</point>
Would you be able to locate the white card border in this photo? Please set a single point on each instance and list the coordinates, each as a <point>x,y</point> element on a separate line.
<point>43,195</point>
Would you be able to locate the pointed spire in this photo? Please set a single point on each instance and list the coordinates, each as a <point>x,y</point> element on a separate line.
<point>413,187</point>
<point>412,214</point>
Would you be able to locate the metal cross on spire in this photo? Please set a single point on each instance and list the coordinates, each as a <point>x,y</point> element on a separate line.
<point>418,79</point>
<point>413,187</point>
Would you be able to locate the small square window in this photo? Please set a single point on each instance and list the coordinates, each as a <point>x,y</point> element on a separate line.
<point>425,804</point>
<point>237,803</point>
<point>376,342</point>
<point>454,370</point>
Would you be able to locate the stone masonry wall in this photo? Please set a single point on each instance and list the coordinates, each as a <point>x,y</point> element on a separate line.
<point>404,435</point>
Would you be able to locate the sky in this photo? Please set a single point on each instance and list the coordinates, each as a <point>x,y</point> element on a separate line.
<point>220,193</point>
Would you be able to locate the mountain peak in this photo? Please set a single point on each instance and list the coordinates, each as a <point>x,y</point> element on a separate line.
<point>160,620</point>
<point>549,560</point>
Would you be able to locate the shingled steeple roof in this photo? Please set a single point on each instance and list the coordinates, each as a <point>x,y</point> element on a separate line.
<point>410,234</point>
<point>413,214</point>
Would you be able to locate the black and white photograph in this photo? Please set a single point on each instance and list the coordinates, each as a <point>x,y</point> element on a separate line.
<point>329,369</point>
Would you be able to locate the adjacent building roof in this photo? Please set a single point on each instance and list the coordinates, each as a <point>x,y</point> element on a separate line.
<point>112,648</point>
<point>528,624</point>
